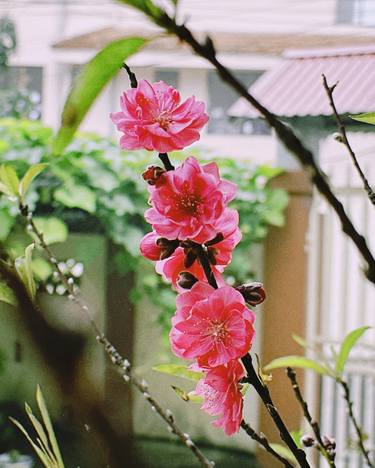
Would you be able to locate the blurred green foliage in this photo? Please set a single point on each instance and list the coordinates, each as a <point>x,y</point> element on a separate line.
<point>95,187</point>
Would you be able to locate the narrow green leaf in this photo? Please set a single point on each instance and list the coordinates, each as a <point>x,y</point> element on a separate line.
<point>297,361</point>
<point>41,454</point>
<point>284,452</point>
<point>194,398</point>
<point>7,295</point>
<point>181,393</point>
<point>346,346</point>
<point>299,340</point>
<point>42,269</point>
<point>9,179</point>
<point>368,117</point>
<point>179,370</point>
<point>90,82</point>
<point>30,175</point>
<point>43,440</point>
<point>24,270</point>
<point>47,422</point>
<point>53,229</point>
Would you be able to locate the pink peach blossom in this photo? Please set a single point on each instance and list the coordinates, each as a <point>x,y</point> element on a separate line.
<point>190,202</point>
<point>213,330</point>
<point>222,396</point>
<point>220,252</point>
<point>153,117</point>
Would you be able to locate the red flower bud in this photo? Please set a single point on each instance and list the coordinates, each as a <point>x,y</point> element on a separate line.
<point>253,293</point>
<point>186,280</point>
<point>152,174</point>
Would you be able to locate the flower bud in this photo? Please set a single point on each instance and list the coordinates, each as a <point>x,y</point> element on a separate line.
<point>253,293</point>
<point>307,440</point>
<point>149,247</point>
<point>329,442</point>
<point>152,174</point>
<point>186,280</point>
<point>167,247</point>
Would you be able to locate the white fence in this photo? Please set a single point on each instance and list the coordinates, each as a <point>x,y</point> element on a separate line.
<point>340,299</point>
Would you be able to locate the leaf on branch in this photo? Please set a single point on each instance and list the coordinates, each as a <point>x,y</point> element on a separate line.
<point>299,340</point>
<point>24,269</point>
<point>346,346</point>
<point>7,295</point>
<point>181,393</point>
<point>53,229</point>
<point>90,82</point>
<point>8,180</point>
<point>30,175</point>
<point>368,117</point>
<point>179,370</point>
<point>300,362</point>
<point>77,196</point>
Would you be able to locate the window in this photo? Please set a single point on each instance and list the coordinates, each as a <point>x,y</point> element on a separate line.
<point>168,76</point>
<point>356,12</point>
<point>21,92</point>
<point>221,98</point>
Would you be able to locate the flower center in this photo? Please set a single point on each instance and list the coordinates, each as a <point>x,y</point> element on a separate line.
<point>217,330</point>
<point>188,202</point>
<point>164,120</point>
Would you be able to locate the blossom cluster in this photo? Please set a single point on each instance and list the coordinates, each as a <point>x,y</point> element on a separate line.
<point>193,229</point>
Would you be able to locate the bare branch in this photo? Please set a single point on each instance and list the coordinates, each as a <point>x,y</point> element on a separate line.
<point>344,139</point>
<point>328,455</point>
<point>263,441</point>
<point>122,365</point>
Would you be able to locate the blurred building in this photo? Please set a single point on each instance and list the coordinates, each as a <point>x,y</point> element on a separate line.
<point>313,271</point>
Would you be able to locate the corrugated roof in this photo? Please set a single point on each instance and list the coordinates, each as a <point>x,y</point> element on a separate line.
<point>294,88</point>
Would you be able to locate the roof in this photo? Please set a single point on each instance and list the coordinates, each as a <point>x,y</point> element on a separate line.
<point>294,88</point>
<point>225,42</point>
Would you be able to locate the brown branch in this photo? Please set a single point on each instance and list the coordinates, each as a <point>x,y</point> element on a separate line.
<point>252,376</point>
<point>285,133</point>
<point>121,364</point>
<point>263,441</point>
<point>328,455</point>
<point>344,139</point>
<point>357,427</point>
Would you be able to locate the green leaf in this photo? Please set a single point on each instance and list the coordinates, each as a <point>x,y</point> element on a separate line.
<point>7,295</point>
<point>47,422</point>
<point>299,340</point>
<point>297,361</point>
<point>77,196</point>
<point>41,268</point>
<point>178,370</point>
<point>9,180</point>
<point>346,346</point>
<point>25,272</point>
<point>90,82</point>
<point>194,397</point>
<point>53,229</point>
<point>30,175</point>
<point>284,452</point>
<point>181,393</point>
<point>368,117</point>
<point>6,223</point>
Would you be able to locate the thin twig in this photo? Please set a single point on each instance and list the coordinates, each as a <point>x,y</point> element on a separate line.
<point>264,393</point>
<point>357,427</point>
<point>344,139</point>
<point>263,441</point>
<point>122,365</point>
<point>285,133</point>
<point>329,456</point>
